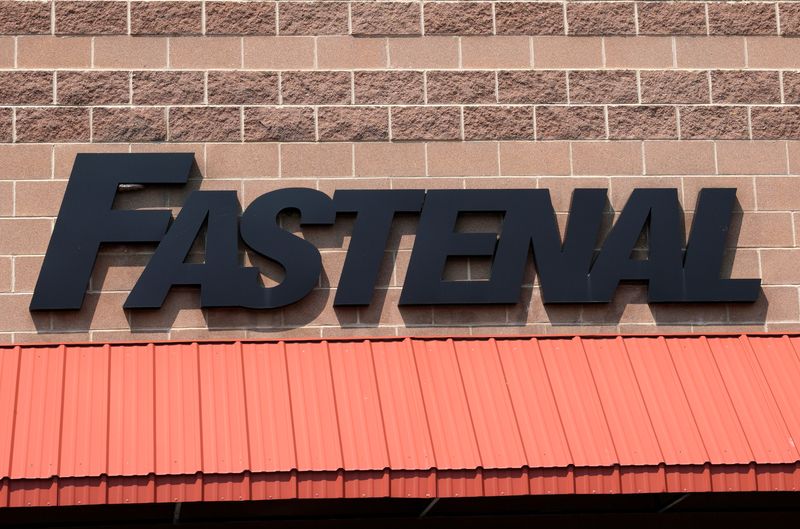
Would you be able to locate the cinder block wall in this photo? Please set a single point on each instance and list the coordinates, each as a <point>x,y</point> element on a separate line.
<point>438,94</point>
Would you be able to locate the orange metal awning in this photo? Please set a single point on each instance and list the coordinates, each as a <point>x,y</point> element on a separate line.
<point>433,417</point>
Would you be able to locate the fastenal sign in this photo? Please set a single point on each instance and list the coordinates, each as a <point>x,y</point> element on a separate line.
<point>570,271</point>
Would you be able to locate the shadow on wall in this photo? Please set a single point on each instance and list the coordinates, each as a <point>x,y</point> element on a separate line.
<point>118,267</point>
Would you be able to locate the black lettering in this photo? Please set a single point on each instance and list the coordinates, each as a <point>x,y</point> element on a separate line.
<point>375,211</point>
<point>86,220</point>
<point>299,258</point>
<point>223,281</point>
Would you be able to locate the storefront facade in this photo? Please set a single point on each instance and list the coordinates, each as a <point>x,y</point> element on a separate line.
<point>398,125</point>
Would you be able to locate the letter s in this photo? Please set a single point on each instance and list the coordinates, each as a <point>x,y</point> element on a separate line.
<point>299,258</point>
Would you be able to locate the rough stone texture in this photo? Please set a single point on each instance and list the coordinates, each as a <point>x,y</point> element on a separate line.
<point>772,123</point>
<point>204,124</point>
<point>6,125</point>
<point>242,88</point>
<point>240,18</point>
<point>162,88</point>
<point>531,87</point>
<point>381,88</point>
<point>319,88</point>
<point>672,18</point>
<point>745,87</point>
<point>458,18</point>
<point>729,123</point>
<point>92,88</point>
<point>790,18</point>
<point>529,18</point>
<point>24,18</point>
<point>791,87</point>
<point>353,123</point>
<point>279,124</point>
<point>674,86</point>
<point>91,18</point>
<point>129,124</point>
<point>603,87</point>
<point>166,18</point>
<point>58,125</point>
<point>385,18</point>
<point>313,18</point>
<point>26,88</point>
<point>426,123</point>
<point>461,87</point>
<point>656,122</point>
<point>498,123</point>
<point>742,18</point>
<point>579,123</point>
<point>601,18</point>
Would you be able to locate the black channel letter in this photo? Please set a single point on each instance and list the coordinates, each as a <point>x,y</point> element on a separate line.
<point>223,281</point>
<point>86,220</point>
<point>375,211</point>
<point>299,258</point>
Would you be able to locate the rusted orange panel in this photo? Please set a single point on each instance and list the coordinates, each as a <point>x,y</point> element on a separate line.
<point>313,408</point>
<point>131,424</point>
<point>452,432</point>
<point>758,413</point>
<point>9,371</point>
<point>535,409</point>
<point>623,407</point>
<point>777,357</point>
<point>84,436</point>
<point>708,398</point>
<point>397,417</point>
<point>222,405</point>
<point>269,411</point>
<point>37,428</point>
<point>578,403</point>
<point>663,396</point>
<point>177,410</point>
<point>358,407</point>
<point>405,421</point>
<point>489,402</point>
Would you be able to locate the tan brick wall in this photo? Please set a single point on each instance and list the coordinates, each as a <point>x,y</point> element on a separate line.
<point>440,94</point>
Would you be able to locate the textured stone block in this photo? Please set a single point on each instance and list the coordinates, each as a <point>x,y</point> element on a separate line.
<point>279,124</point>
<point>26,88</point>
<point>313,18</point>
<point>385,18</point>
<point>166,18</point>
<point>316,88</point>
<point>670,86</point>
<point>204,124</point>
<point>531,87</point>
<point>729,123</point>
<point>458,18</point>
<point>529,18</point>
<point>242,88</point>
<point>460,87</point>
<point>498,123</point>
<point>92,88</point>
<point>570,123</point>
<point>389,87</point>
<point>601,18</point>
<point>240,18</point>
<point>57,125</point>
<point>91,18</point>
<point>353,123</point>
<point>426,123</point>
<point>115,125</point>
<point>163,88</point>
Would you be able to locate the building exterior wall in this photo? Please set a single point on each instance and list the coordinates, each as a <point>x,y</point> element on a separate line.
<point>378,95</point>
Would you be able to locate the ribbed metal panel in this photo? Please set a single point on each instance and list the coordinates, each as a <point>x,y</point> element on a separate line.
<point>397,417</point>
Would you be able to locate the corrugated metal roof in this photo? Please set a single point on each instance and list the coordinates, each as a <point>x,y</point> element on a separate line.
<point>105,423</point>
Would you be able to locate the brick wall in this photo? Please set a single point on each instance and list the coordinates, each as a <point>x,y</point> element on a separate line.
<point>395,95</point>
